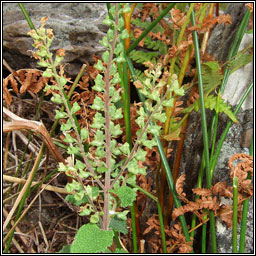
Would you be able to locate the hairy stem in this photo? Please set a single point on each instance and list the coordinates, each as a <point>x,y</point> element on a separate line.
<point>107,128</point>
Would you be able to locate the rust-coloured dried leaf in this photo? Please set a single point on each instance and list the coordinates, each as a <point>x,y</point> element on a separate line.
<point>61,52</point>
<point>179,185</point>
<point>202,191</point>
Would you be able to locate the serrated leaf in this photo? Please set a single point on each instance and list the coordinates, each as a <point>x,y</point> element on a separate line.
<point>63,81</point>
<point>60,115</point>
<point>126,195</point>
<point>91,239</point>
<point>94,218</point>
<point>67,126</point>
<point>118,225</point>
<point>117,250</point>
<point>149,143</point>
<point>99,65</point>
<point>58,60</point>
<point>75,108</point>
<point>120,59</point>
<point>173,136</point>
<point>56,98</point>
<point>65,249</point>
<point>160,117</point>
<point>168,103</point>
<point>43,63</point>
<point>105,57</point>
<point>141,155</point>
<point>71,199</point>
<point>98,104</point>
<point>73,150</point>
<point>122,215</point>
<point>84,134</point>
<point>125,148</point>
<point>69,139</point>
<point>124,34</point>
<point>62,167</point>
<point>154,129</point>
<point>134,168</point>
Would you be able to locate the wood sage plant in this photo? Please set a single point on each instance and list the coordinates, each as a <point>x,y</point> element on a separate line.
<point>108,166</point>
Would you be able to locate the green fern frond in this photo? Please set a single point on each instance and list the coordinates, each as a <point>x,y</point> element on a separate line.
<point>145,24</point>
<point>141,57</point>
<point>155,45</point>
<point>139,75</point>
<point>212,102</point>
<point>241,60</point>
<point>212,76</point>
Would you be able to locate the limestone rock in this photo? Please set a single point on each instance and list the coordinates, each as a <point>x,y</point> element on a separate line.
<point>77,28</point>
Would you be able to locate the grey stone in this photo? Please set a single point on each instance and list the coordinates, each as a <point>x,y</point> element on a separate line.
<point>239,80</point>
<point>77,28</point>
<point>222,35</point>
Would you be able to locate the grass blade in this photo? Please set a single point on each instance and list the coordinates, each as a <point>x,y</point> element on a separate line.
<point>204,128</point>
<point>154,23</point>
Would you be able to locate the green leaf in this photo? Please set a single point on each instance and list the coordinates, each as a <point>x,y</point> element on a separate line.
<point>84,134</point>
<point>160,117</point>
<point>75,108</point>
<point>116,97</point>
<point>118,49</point>
<point>125,148</point>
<point>74,185</point>
<point>116,79</point>
<point>141,155</point>
<point>212,76</point>
<point>62,167</point>
<point>67,126</point>
<point>73,150</point>
<point>149,143</point>
<point>124,34</point>
<point>105,57</point>
<point>71,199</point>
<point>110,34</point>
<point>121,250</point>
<point>122,215</point>
<point>126,195</point>
<point>63,81</point>
<point>102,169</point>
<point>126,8</point>
<point>60,115</point>
<point>98,121</point>
<point>241,60</point>
<point>98,104</point>
<point>92,192</point>
<point>120,59</point>
<point>154,129</point>
<point>118,225</point>
<point>56,98</point>
<point>168,103</point>
<point>58,60</point>
<point>44,64</point>
<point>85,210</point>
<point>115,130</point>
<point>104,42</point>
<point>134,168</point>
<point>94,218</point>
<point>99,65</point>
<point>91,239</point>
<point>120,23</point>
<point>65,249</point>
<point>69,139</point>
<point>107,21</point>
<point>98,139</point>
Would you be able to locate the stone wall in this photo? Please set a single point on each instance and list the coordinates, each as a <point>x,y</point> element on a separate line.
<point>77,28</point>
